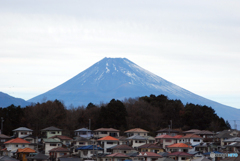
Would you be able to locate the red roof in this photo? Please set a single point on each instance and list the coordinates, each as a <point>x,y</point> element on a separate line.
<point>149,154</point>
<point>192,136</point>
<point>179,154</point>
<point>106,138</point>
<point>119,155</point>
<point>61,137</point>
<point>177,136</point>
<point>179,145</point>
<point>17,141</point>
<point>164,137</point>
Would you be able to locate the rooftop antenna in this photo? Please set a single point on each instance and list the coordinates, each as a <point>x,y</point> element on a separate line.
<point>2,125</point>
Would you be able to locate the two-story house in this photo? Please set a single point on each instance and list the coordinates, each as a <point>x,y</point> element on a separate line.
<point>51,131</point>
<point>167,131</point>
<point>49,144</point>
<point>107,142</point>
<point>136,140</point>
<point>22,132</point>
<point>191,139</point>
<point>14,144</point>
<point>83,132</point>
<point>102,132</point>
<point>164,140</point>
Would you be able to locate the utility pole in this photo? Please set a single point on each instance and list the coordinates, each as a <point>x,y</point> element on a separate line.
<point>171,124</point>
<point>2,125</point>
<point>89,124</point>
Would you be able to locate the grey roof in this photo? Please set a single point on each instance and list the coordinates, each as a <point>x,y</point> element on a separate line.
<point>204,132</point>
<point>234,144</point>
<point>7,158</point>
<point>51,141</point>
<point>39,156</point>
<point>224,134</point>
<point>122,138</point>
<point>193,152</point>
<point>2,136</point>
<point>51,128</point>
<point>235,139</point>
<point>136,137</point>
<point>149,137</point>
<point>165,159</point>
<point>132,154</point>
<point>79,138</point>
<point>22,129</point>
<point>163,154</point>
<point>83,129</point>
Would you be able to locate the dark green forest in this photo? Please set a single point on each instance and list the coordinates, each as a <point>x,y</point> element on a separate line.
<point>150,113</point>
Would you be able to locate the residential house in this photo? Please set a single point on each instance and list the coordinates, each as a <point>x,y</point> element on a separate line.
<point>164,140</point>
<point>232,144</point>
<point>122,140</point>
<point>3,139</point>
<point>167,131</point>
<point>205,134</point>
<point>204,147</point>
<point>191,139</point>
<point>51,131</point>
<point>14,144</point>
<point>117,157</point>
<point>136,131</point>
<point>83,132</point>
<point>78,142</point>
<point>122,149</point>
<point>150,148</point>
<point>102,132</point>
<point>180,156</point>
<point>55,153</point>
<point>178,147</point>
<point>107,142</point>
<point>166,159</point>
<point>221,136</point>
<point>86,152</point>
<point>33,141</point>
<point>149,156</point>
<point>136,140</point>
<point>37,157</point>
<point>177,137</point>
<point>64,139</point>
<point>50,144</point>
<point>22,154</point>
<point>22,132</point>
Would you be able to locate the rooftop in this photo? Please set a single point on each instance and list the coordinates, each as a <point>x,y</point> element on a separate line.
<point>17,141</point>
<point>179,154</point>
<point>83,129</point>
<point>179,145</point>
<point>51,128</point>
<point>26,150</point>
<point>191,136</point>
<point>106,138</point>
<point>59,149</point>
<point>107,129</point>
<point>164,136</point>
<point>149,154</point>
<point>22,129</point>
<point>61,137</point>
<point>136,130</point>
<point>118,155</point>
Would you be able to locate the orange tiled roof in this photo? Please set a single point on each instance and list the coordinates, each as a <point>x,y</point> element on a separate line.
<point>136,130</point>
<point>26,150</point>
<point>179,145</point>
<point>17,141</point>
<point>192,136</point>
<point>164,136</point>
<point>108,138</point>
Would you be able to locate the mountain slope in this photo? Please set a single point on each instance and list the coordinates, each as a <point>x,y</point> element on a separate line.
<point>120,78</point>
<point>7,100</point>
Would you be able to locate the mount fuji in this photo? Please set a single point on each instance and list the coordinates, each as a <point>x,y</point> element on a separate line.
<point>120,78</point>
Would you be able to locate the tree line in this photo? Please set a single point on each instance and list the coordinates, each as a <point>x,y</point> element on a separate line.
<point>149,112</point>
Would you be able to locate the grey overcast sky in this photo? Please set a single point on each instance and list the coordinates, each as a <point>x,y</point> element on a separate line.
<point>194,44</point>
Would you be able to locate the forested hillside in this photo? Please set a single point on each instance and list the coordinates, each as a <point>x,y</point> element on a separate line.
<point>150,113</point>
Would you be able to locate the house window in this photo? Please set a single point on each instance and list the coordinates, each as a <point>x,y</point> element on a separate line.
<point>109,142</point>
<point>168,140</point>
<point>61,154</point>
<point>53,144</point>
<point>3,140</point>
<point>104,132</point>
<point>16,145</point>
<point>196,140</point>
<point>23,145</point>
<point>183,158</point>
<point>53,132</point>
